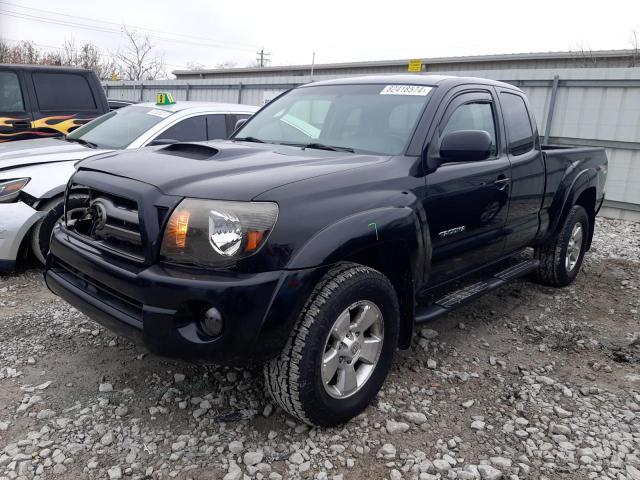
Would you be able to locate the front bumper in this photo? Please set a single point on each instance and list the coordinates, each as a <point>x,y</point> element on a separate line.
<point>147,304</point>
<point>15,221</point>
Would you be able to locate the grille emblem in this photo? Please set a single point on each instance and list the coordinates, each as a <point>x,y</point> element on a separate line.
<point>98,214</point>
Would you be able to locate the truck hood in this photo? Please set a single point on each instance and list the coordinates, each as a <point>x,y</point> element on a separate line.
<point>224,170</point>
<point>42,150</point>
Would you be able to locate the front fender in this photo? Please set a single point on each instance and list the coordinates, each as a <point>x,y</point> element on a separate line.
<point>355,233</point>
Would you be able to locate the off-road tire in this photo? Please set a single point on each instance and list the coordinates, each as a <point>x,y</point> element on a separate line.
<point>552,270</point>
<point>293,378</point>
<point>41,231</point>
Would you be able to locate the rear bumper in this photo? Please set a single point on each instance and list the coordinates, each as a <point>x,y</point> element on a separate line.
<point>15,221</point>
<point>148,304</point>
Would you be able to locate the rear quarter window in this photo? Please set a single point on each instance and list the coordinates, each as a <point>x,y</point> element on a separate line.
<point>63,92</point>
<point>518,123</point>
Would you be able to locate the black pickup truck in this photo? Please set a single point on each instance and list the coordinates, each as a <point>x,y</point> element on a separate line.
<point>337,218</point>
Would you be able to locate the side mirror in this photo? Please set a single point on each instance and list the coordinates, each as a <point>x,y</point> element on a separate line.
<point>465,145</point>
<point>162,141</point>
<point>239,123</point>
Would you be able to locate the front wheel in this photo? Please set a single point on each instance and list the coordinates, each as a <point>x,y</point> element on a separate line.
<point>561,257</point>
<point>41,232</point>
<point>340,350</point>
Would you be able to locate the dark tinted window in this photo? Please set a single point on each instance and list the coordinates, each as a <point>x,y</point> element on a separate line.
<point>10,93</point>
<point>232,119</point>
<point>516,119</point>
<point>216,127</point>
<point>473,116</point>
<point>193,129</point>
<point>63,91</point>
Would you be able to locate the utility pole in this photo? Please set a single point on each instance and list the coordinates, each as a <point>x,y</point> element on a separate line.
<point>262,58</point>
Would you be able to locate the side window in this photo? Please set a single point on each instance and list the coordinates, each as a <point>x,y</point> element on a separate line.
<point>216,127</point>
<point>63,92</point>
<point>518,124</point>
<point>193,129</point>
<point>10,93</point>
<point>473,116</point>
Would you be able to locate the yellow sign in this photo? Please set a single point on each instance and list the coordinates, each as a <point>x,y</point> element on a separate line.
<point>415,65</point>
<point>164,98</point>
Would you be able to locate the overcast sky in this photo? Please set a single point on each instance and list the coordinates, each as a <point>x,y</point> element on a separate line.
<point>210,32</point>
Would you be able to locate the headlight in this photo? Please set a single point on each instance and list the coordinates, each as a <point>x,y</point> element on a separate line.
<point>211,232</point>
<point>9,189</point>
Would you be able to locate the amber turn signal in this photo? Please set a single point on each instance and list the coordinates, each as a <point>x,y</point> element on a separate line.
<point>254,239</point>
<point>177,228</point>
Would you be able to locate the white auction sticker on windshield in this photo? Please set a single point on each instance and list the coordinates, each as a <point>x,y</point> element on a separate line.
<point>417,90</point>
<point>159,113</point>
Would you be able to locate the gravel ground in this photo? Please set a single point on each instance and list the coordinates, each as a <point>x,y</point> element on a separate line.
<point>528,382</point>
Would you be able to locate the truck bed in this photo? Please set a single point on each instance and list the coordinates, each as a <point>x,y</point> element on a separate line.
<point>566,165</point>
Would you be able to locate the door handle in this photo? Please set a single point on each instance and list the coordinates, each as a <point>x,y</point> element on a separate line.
<point>502,183</point>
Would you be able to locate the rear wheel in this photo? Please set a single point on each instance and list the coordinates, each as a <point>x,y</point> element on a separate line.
<point>561,257</point>
<point>340,350</point>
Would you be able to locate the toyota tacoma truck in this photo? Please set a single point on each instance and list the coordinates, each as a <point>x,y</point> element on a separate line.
<point>336,219</point>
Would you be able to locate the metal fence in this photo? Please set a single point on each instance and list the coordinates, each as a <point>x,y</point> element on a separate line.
<point>585,106</point>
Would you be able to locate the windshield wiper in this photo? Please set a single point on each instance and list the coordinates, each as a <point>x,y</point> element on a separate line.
<point>248,139</point>
<point>333,148</point>
<point>81,141</point>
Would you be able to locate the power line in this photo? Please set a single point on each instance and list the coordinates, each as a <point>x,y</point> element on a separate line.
<point>43,45</point>
<point>111,30</point>
<point>119,25</point>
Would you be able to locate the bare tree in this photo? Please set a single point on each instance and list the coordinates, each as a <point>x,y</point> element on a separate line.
<point>195,66</point>
<point>5,51</point>
<point>585,56</point>
<point>138,60</point>
<point>26,52</point>
<point>227,64</point>
<point>89,56</point>
<point>635,49</point>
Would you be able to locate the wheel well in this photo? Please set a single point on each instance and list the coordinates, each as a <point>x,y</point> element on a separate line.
<point>392,259</point>
<point>587,200</point>
<point>40,202</point>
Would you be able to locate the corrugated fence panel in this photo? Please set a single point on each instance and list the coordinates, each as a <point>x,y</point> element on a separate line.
<point>594,106</point>
<point>623,180</point>
<point>539,99</point>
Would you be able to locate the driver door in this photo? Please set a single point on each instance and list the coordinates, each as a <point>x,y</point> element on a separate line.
<point>467,201</point>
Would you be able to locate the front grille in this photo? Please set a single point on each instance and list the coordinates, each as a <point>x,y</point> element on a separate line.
<point>108,221</point>
<point>105,294</point>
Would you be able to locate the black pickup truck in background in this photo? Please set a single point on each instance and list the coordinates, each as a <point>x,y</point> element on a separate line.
<point>337,218</point>
<point>42,101</point>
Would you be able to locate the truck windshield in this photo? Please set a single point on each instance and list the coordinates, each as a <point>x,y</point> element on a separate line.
<point>378,119</point>
<point>119,128</point>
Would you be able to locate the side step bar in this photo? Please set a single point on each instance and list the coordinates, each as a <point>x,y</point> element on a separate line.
<point>470,292</point>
